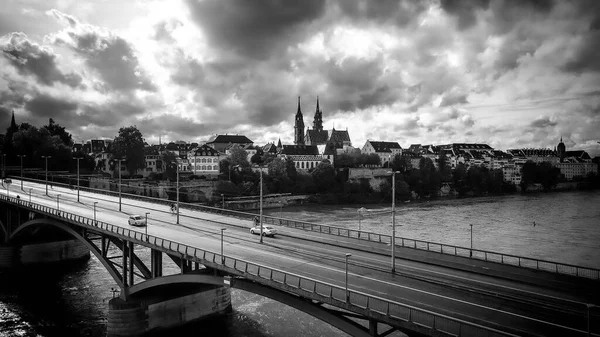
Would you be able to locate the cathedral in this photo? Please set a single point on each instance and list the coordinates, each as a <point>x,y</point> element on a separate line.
<point>318,136</point>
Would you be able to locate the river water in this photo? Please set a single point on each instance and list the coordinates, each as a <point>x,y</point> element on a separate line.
<point>73,301</point>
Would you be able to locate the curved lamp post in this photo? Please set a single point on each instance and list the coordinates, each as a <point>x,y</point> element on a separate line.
<point>46,158</point>
<point>393,219</point>
<point>21,155</point>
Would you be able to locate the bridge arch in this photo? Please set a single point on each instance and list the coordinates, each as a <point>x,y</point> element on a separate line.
<point>47,221</point>
<point>337,320</point>
<point>176,279</point>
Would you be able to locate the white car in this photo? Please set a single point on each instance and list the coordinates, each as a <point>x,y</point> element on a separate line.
<point>267,230</point>
<point>137,220</point>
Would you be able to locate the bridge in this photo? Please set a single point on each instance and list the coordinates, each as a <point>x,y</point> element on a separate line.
<point>341,276</point>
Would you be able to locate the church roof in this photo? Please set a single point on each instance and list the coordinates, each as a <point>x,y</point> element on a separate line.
<point>338,136</point>
<point>298,150</point>
<point>578,154</point>
<point>316,136</point>
<point>270,148</point>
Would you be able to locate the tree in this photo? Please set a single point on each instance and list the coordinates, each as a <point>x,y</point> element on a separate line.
<point>257,159</point>
<point>129,145</point>
<point>57,130</point>
<point>238,156</point>
<point>344,160</point>
<point>168,163</point>
<point>444,168</point>
<point>324,176</point>
<point>401,163</point>
<point>290,169</point>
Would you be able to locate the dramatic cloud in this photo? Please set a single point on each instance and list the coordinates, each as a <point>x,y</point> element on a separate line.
<point>109,54</point>
<point>508,73</point>
<point>255,28</point>
<point>32,59</point>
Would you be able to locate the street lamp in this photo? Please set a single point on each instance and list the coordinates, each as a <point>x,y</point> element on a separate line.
<point>360,212</point>
<point>119,160</point>
<point>280,208</point>
<point>177,188</point>
<point>95,202</point>
<point>46,158</point>
<point>222,257</point>
<point>57,204</point>
<point>393,219</point>
<point>471,250</point>
<point>77,158</point>
<point>347,293</point>
<point>21,155</point>
<point>147,225</point>
<point>261,204</point>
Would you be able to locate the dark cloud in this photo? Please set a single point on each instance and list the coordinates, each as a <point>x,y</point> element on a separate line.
<point>110,55</point>
<point>43,106</point>
<point>450,99</point>
<point>586,57</point>
<point>188,73</point>
<point>32,59</point>
<point>178,127</point>
<point>543,122</point>
<point>400,13</point>
<point>464,10</point>
<point>254,28</point>
<point>505,13</point>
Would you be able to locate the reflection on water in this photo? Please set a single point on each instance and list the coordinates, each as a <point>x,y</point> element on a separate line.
<point>74,301</point>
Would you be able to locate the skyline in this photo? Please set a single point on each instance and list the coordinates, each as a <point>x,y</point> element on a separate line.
<point>508,74</point>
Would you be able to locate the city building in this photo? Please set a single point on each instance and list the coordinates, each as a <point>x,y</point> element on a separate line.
<point>221,142</point>
<point>385,150</point>
<point>304,156</point>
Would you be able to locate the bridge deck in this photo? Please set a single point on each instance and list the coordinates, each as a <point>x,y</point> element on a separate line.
<point>467,289</point>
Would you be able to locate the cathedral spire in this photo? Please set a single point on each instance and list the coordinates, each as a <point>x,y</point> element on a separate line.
<point>299,126</point>
<point>279,144</point>
<point>318,120</point>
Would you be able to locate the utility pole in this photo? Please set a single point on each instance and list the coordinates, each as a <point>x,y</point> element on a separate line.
<point>77,158</point>
<point>119,161</point>
<point>394,221</point>
<point>21,155</point>
<point>261,205</point>
<point>177,187</point>
<point>46,157</point>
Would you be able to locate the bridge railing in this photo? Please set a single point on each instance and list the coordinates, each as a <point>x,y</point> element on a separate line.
<point>442,248</point>
<point>361,302</point>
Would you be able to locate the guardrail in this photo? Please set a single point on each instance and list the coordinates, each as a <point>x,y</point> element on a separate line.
<point>485,255</point>
<point>307,287</point>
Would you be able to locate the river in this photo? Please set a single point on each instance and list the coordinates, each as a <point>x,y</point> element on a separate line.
<point>73,301</point>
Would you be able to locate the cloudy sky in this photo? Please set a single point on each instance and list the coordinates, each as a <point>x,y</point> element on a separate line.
<point>508,73</point>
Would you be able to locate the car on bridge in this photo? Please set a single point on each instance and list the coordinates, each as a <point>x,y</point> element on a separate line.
<point>137,220</point>
<point>266,230</point>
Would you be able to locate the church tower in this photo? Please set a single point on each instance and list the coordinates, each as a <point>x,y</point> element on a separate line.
<point>299,126</point>
<point>561,149</point>
<point>318,120</point>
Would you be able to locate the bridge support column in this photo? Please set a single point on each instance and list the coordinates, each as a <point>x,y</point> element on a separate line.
<point>157,311</point>
<point>156,263</point>
<point>373,328</point>
<point>8,256</point>
<point>56,251</point>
